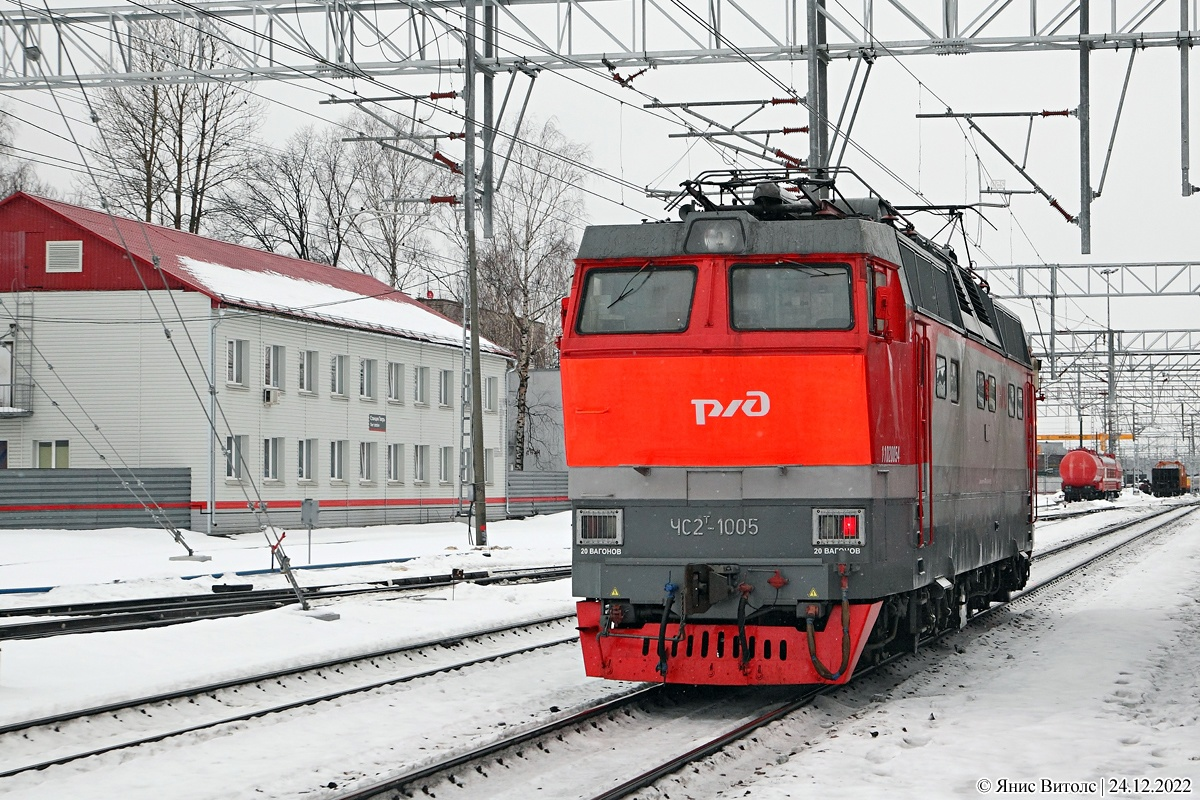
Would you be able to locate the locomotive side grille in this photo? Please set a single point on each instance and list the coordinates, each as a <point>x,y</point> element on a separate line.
<point>599,526</point>
<point>837,526</point>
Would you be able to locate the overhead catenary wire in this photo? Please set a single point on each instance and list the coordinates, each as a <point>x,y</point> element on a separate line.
<point>255,508</point>
<point>725,39</point>
<point>147,502</point>
<point>985,253</point>
<point>376,81</point>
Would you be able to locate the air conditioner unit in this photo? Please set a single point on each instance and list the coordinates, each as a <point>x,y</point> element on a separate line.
<point>270,397</point>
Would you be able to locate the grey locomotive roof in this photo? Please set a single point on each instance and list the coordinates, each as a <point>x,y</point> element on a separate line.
<point>996,327</point>
<point>804,236</point>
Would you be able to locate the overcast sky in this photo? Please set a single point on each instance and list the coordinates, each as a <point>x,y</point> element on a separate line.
<point>1140,217</point>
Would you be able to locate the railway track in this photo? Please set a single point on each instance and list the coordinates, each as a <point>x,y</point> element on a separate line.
<point>225,602</point>
<point>1069,513</point>
<point>618,728</point>
<point>1061,515</point>
<point>63,738</point>
<point>1109,530</point>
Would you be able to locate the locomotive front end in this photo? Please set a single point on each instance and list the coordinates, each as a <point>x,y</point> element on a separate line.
<point>720,452</point>
<point>775,464</point>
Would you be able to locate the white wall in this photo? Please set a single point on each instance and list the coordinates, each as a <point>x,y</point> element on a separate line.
<point>109,350</point>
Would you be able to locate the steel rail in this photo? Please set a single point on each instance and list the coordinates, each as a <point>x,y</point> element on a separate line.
<point>193,691</point>
<point>280,708</point>
<point>1115,528</point>
<point>160,611</point>
<point>1071,514</point>
<point>657,773</point>
<point>647,778</point>
<point>541,731</point>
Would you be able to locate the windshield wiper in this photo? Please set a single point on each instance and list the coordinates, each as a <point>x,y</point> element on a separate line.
<point>812,269</point>
<point>627,290</point>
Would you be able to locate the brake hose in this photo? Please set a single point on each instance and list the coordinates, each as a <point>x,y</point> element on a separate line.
<point>810,625</point>
<point>743,642</point>
<point>661,669</point>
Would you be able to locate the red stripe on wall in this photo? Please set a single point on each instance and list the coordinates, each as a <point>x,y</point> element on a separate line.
<point>230,505</point>
<point>89,507</point>
<point>233,505</point>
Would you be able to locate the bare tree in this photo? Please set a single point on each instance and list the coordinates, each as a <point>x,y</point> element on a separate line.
<point>133,134</point>
<point>390,236</point>
<point>299,199</point>
<point>16,175</point>
<point>172,144</point>
<point>526,267</point>
<point>212,126</point>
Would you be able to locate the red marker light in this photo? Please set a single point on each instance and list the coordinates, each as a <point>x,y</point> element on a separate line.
<point>849,527</point>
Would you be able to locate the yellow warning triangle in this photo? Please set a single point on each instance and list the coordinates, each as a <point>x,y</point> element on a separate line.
<point>813,593</point>
<point>615,593</point>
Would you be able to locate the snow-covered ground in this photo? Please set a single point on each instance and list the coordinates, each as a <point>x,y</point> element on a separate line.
<point>1095,681</point>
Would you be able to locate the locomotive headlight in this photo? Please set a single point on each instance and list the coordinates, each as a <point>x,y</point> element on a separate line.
<point>834,526</point>
<point>716,236</point>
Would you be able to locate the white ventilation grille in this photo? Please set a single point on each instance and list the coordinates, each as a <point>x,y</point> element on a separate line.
<point>599,526</point>
<point>64,256</point>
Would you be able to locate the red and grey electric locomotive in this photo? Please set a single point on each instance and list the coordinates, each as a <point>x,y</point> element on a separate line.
<point>778,468</point>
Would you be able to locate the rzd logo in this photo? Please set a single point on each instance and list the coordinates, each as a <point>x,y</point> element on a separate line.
<point>756,404</point>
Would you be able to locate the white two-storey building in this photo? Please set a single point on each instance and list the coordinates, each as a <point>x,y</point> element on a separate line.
<point>123,340</point>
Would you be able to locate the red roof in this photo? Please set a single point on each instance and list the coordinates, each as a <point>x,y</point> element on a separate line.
<point>173,249</point>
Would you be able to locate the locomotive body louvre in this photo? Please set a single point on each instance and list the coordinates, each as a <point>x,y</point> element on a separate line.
<point>797,438</point>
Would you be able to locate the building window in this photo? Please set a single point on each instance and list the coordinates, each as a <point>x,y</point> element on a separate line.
<point>939,377</point>
<point>952,381</point>
<point>395,382</point>
<point>421,385</point>
<point>446,465</point>
<point>421,463</point>
<point>489,465</point>
<point>395,463</point>
<point>8,371</point>
<point>308,371</point>
<point>337,375</point>
<point>307,459</point>
<point>491,393</point>
<point>337,460</point>
<point>445,388</point>
<point>272,454</point>
<point>273,367</point>
<point>367,368</point>
<point>366,461</point>
<point>236,353</point>
<point>235,457</point>
<point>53,455</point>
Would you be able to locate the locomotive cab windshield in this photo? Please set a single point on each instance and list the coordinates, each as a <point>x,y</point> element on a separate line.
<point>645,299</point>
<point>790,295</point>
